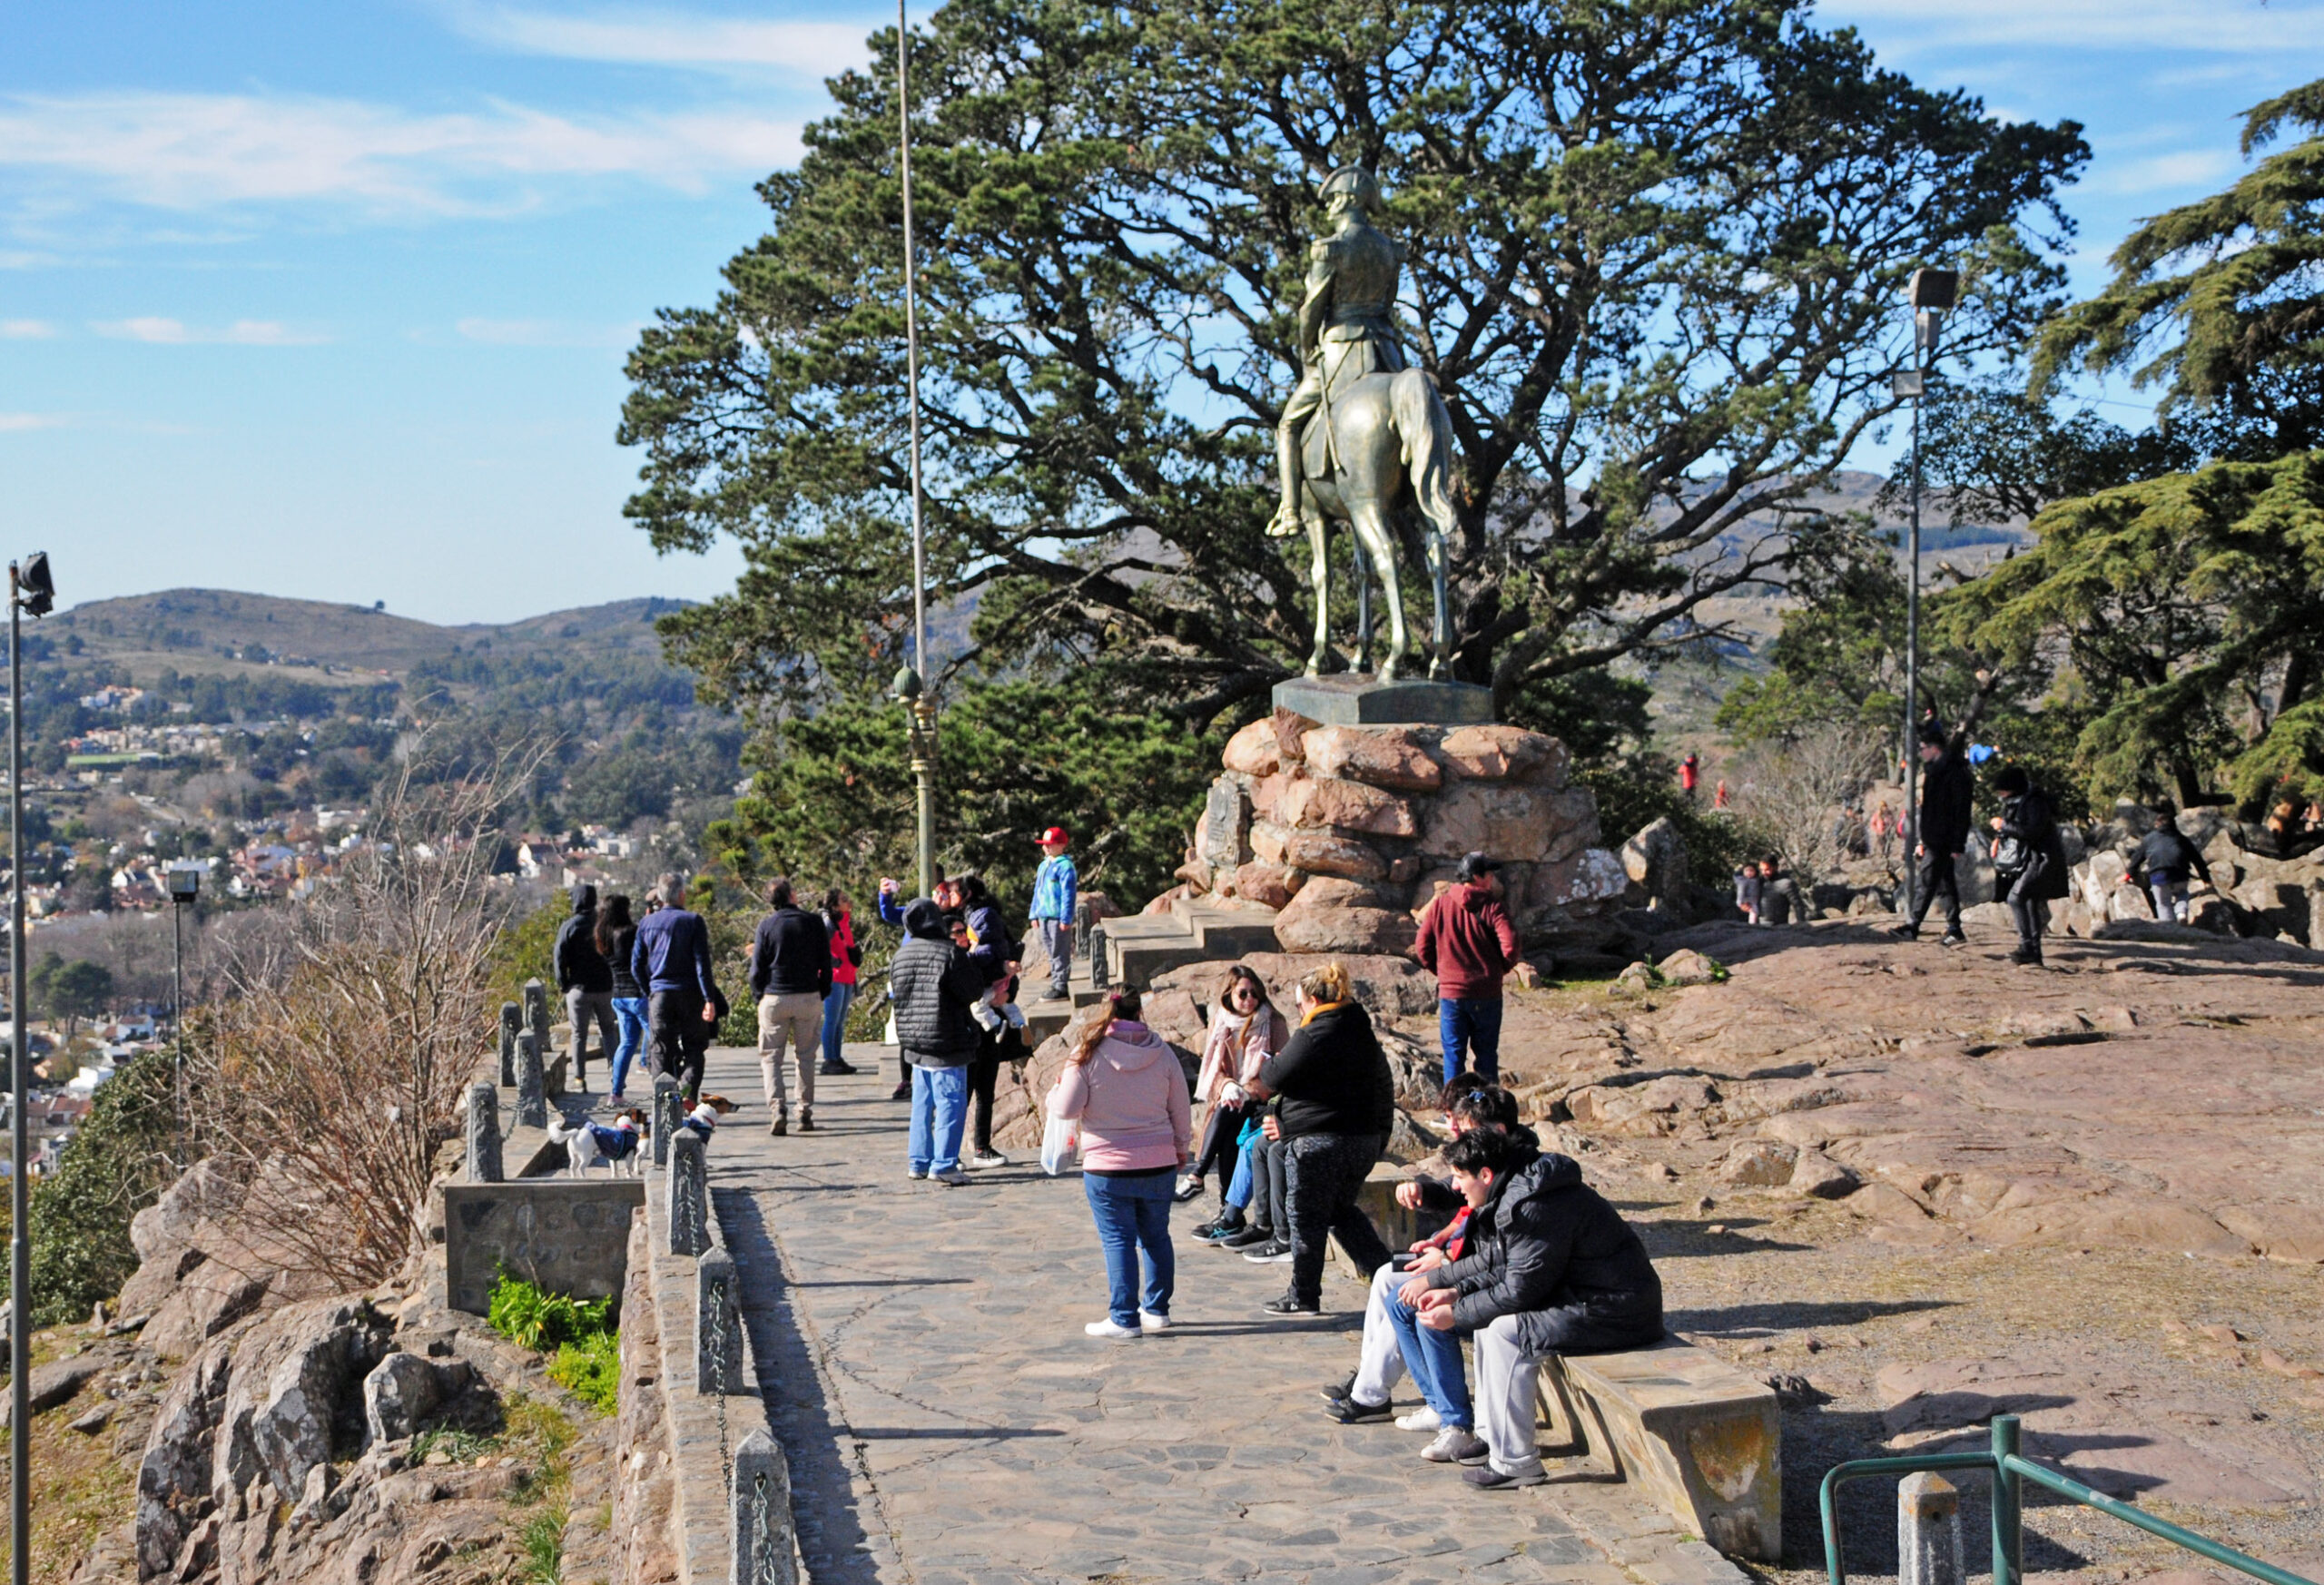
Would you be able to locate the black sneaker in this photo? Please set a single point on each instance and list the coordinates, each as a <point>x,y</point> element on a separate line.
<point>1906,932</point>
<point>1485,1478</point>
<point>1291,1304</point>
<point>837,1067</point>
<point>1247,1238</point>
<point>1348,1412</point>
<point>1212,1232</point>
<point>2026,956</point>
<point>1274,1252</point>
<point>1953,939</point>
<point>901,1092</point>
<point>1341,1390</point>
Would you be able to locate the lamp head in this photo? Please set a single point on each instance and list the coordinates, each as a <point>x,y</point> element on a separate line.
<point>185,884</point>
<point>906,686</point>
<point>39,596</point>
<point>1933,289</point>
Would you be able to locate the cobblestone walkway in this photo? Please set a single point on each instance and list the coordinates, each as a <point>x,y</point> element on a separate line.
<point>947,1421</point>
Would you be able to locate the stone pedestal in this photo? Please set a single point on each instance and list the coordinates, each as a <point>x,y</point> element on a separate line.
<point>1929,1530</point>
<point>512,1022</point>
<point>1361,699</point>
<point>1349,830</point>
<point>532,1084</point>
<point>686,1185</point>
<point>483,1133</point>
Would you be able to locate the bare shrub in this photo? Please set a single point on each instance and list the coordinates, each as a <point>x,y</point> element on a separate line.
<point>1800,794</point>
<point>332,1069</point>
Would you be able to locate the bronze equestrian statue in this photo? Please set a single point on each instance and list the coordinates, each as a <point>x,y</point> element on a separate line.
<point>1364,438</point>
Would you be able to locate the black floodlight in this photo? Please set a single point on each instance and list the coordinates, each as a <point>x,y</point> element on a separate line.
<point>1933,289</point>
<point>39,596</point>
<point>185,884</point>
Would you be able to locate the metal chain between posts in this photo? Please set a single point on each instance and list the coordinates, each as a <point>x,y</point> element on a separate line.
<point>761,1535</point>
<point>718,1341</point>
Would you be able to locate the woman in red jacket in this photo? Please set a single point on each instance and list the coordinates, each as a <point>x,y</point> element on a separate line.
<point>846,959</point>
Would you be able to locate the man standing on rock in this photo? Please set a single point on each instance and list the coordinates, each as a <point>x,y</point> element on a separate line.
<point>1467,941</point>
<point>1945,794</point>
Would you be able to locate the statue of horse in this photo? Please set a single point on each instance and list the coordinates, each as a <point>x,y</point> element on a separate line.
<point>1378,454</point>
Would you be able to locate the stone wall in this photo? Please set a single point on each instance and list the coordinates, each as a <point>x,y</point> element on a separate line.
<point>1350,831</point>
<point>568,1234</point>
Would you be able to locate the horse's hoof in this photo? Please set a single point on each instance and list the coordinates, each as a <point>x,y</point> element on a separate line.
<point>1438,671</point>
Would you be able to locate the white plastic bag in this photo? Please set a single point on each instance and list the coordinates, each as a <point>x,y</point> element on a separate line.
<point>1060,1143</point>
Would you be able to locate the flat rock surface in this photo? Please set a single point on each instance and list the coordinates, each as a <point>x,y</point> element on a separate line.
<point>946,1420</point>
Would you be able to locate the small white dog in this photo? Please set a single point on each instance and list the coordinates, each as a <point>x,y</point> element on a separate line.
<point>586,1144</point>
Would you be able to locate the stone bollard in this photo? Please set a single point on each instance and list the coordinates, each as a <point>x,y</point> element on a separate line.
<point>1929,1530</point>
<point>689,1191</point>
<point>537,1012</point>
<point>512,1023</point>
<point>532,1085</point>
<point>665,1116</point>
<point>763,1554</point>
<point>718,1326</point>
<point>484,1133</point>
<point>1100,975</point>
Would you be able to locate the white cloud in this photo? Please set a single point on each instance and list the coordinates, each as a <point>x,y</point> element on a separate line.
<point>14,421</point>
<point>671,38</point>
<point>544,333</point>
<point>2219,27</point>
<point>190,151</point>
<point>165,332</point>
<point>2164,172</point>
<point>26,329</point>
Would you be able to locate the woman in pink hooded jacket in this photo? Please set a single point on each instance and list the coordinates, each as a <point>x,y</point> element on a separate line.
<point>1124,1084</point>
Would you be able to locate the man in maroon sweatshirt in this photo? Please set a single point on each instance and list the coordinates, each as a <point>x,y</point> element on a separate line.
<point>1467,941</point>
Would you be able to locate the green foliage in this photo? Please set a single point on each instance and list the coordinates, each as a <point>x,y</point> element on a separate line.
<point>1655,247</point>
<point>460,1446</point>
<point>543,1539</point>
<point>2231,283</point>
<point>525,951</point>
<point>1597,714</point>
<point>590,1370</point>
<point>2188,607</point>
<point>536,1318</point>
<point>836,804</point>
<point>117,1165</point>
<point>69,991</point>
<point>1634,793</point>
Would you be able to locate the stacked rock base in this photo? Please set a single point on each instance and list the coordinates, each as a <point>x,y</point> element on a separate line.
<point>1350,831</point>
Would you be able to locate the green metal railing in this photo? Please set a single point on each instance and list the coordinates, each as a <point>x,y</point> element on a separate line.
<point>2010,1470</point>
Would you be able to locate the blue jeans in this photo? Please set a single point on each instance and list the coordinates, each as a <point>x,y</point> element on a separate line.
<point>629,1011</point>
<point>1134,1213</point>
<point>940,1110</point>
<point>835,1018</point>
<point>1474,1023</point>
<point>1434,1358</point>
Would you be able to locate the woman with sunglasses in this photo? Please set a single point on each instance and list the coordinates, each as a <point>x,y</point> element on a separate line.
<point>1245,1029</point>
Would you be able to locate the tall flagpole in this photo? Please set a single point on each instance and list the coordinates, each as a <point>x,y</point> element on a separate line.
<point>922,705</point>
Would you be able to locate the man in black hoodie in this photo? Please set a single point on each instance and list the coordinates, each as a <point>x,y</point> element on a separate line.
<point>588,982</point>
<point>1947,791</point>
<point>790,973</point>
<point>932,982</point>
<point>1548,1267</point>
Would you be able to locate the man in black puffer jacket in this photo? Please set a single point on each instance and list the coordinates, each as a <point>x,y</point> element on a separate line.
<point>932,983</point>
<point>1548,1268</point>
<point>586,980</point>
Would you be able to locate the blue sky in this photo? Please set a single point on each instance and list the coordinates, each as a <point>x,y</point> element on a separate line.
<point>330,300</point>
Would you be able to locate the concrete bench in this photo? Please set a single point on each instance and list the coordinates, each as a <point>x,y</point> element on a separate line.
<point>1680,1423</point>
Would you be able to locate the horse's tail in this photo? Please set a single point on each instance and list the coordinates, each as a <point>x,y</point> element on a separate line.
<point>1427,431</point>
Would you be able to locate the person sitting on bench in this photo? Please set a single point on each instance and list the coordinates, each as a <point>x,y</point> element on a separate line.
<point>1548,1267</point>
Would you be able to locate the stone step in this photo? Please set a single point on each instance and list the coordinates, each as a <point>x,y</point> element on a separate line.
<point>1140,948</point>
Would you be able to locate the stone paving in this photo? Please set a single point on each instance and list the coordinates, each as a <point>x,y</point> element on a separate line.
<point>948,1424</point>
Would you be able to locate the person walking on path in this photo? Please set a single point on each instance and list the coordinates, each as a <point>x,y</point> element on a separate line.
<point>586,980</point>
<point>1122,1083</point>
<point>1334,1102</point>
<point>933,982</point>
<point>2163,862</point>
<point>790,973</point>
<point>1468,942</point>
<point>1690,773</point>
<point>1547,1266</point>
<point>615,935</point>
<point>669,957</point>
<point>2029,859</point>
<point>847,962</point>
<point>1947,793</point>
<point>1057,890</point>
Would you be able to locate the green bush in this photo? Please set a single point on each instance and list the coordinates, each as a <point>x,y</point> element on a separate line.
<point>589,1370</point>
<point>117,1163</point>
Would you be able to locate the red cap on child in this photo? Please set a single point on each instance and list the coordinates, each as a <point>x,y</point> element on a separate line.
<point>1054,833</point>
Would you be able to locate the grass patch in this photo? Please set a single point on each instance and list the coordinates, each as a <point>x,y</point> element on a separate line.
<point>462,1447</point>
<point>578,1334</point>
<point>590,1371</point>
<point>79,1490</point>
<point>543,1540</point>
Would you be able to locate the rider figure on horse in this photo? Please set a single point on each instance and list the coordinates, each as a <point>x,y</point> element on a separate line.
<point>1345,331</point>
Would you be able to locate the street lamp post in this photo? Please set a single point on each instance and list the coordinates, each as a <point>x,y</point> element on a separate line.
<point>912,685</point>
<point>1931,293</point>
<point>29,589</point>
<point>185,885</point>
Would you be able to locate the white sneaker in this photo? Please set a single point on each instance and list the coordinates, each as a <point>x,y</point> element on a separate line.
<point>1147,1321</point>
<point>1421,1419</point>
<point>915,1173</point>
<point>1106,1328</point>
<point>988,1158</point>
<point>951,1178</point>
<point>1455,1444</point>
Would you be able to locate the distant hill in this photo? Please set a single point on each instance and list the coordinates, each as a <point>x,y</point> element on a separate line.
<point>221,630</point>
